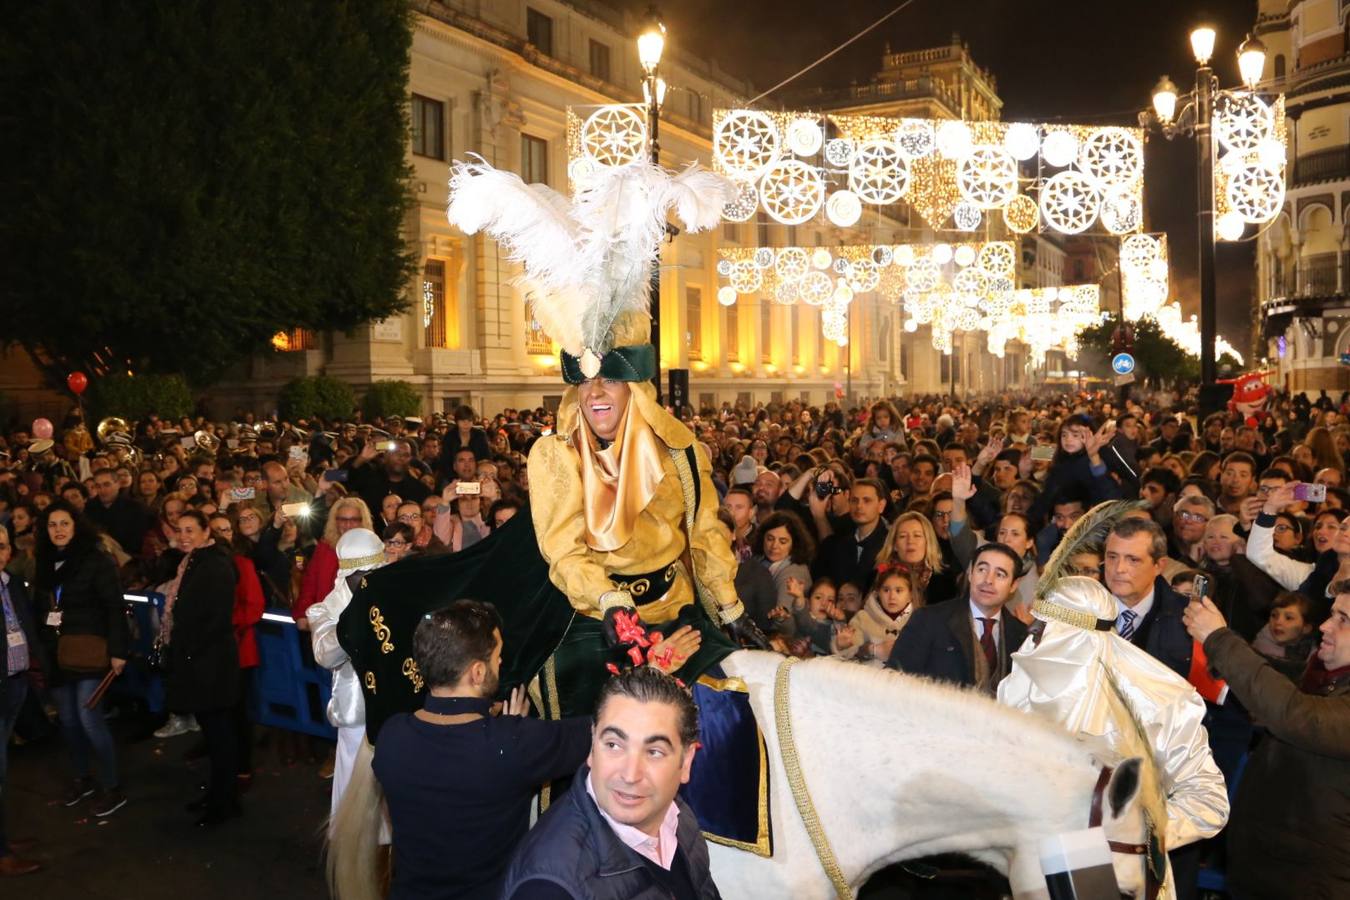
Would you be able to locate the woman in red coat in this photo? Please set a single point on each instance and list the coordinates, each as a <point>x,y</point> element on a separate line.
<point>322,568</point>
<point>248,610</point>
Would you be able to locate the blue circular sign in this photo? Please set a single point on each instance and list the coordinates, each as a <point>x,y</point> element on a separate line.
<point>1122,363</point>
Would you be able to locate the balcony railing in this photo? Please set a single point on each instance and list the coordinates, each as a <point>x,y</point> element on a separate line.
<point>1317,275</point>
<point>1324,165</point>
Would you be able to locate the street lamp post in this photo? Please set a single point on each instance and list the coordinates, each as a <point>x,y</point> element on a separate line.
<point>651,43</point>
<point>1195,119</point>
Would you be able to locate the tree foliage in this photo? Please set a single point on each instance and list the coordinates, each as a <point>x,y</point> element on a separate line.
<point>1157,357</point>
<point>391,398</point>
<point>138,396</point>
<point>316,395</point>
<point>185,178</point>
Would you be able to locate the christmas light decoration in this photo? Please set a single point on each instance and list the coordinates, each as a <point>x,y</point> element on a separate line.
<point>1021,214</point>
<point>1022,141</point>
<point>1250,161</point>
<point>743,207</point>
<point>615,135</point>
<point>878,173</point>
<point>954,139</point>
<point>726,295</point>
<point>916,137</point>
<point>804,137</point>
<point>745,142</point>
<point>791,191</point>
<point>1059,148</point>
<point>791,263</point>
<point>967,216</point>
<point>1069,201</point>
<point>843,208</point>
<point>987,177</point>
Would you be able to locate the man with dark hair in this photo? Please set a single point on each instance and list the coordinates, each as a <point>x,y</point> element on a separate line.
<point>1158,488</point>
<point>923,471</point>
<point>123,519</point>
<point>852,555</point>
<point>1237,481</point>
<point>1067,509</point>
<point>622,830</point>
<point>1148,610</point>
<point>457,779</point>
<point>464,434</point>
<point>967,640</point>
<point>375,482</point>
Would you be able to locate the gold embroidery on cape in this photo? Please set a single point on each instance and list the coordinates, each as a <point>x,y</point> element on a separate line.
<point>381,630</point>
<point>414,674</point>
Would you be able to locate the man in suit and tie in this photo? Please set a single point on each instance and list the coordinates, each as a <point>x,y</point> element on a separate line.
<point>1148,610</point>
<point>968,640</point>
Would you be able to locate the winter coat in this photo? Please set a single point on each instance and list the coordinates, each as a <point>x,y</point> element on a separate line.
<point>203,670</point>
<point>90,601</point>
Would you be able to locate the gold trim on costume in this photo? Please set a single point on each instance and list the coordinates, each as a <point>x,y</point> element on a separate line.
<point>762,846</point>
<point>553,713</point>
<point>370,682</point>
<point>1073,617</point>
<point>414,674</point>
<point>792,767</point>
<point>381,630</point>
<point>682,467</point>
<point>639,587</point>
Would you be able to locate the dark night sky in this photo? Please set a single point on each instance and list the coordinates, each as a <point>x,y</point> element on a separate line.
<point>1085,61</point>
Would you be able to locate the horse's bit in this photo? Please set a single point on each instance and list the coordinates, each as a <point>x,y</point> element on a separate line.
<point>1155,857</point>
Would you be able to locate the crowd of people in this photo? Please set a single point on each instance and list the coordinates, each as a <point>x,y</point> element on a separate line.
<point>907,533</point>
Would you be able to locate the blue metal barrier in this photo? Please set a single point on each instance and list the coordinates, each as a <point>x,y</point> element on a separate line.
<point>291,691</point>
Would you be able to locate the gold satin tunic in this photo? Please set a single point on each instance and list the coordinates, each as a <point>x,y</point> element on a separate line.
<point>657,541</point>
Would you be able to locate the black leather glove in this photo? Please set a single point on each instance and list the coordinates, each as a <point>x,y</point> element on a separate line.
<point>745,632</point>
<point>610,625</point>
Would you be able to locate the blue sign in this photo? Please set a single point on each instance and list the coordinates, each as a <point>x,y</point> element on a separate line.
<point>1122,363</point>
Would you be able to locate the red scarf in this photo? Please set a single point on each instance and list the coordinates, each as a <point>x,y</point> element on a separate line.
<point>1318,679</point>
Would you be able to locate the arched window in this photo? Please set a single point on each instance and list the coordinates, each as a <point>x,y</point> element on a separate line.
<point>1279,65</point>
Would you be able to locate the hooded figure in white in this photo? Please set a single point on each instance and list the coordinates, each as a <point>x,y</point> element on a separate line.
<point>359,550</point>
<point>1115,698</point>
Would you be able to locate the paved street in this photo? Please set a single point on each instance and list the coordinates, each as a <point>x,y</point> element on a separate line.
<point>150,849</point>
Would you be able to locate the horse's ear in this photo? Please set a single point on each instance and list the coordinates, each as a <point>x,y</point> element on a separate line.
<point>1124,785</point>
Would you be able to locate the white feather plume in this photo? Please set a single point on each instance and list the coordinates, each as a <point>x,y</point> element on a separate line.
<point>589,260</point>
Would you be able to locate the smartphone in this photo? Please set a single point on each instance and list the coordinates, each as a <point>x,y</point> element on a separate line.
<point>338,475</point>
<point>1312,493</point>
<point>242,493</point>
<point>389,446</point>
<point>472,488</point>
<point>295,510</point>
<point>187,443</point>
<point>1201,586</point>
<point>1042,452</point>
<point>298,452</point>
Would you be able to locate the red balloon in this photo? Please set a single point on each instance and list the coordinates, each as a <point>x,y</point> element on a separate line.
<point>77,382</point>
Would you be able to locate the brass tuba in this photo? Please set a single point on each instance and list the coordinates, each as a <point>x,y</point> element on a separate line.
<point>111,426</point>
<point>206,441</point>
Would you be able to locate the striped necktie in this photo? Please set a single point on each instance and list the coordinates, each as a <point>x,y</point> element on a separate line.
<point>1125,624</point>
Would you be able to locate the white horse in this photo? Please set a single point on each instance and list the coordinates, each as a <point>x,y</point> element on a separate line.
<point>900,767</point>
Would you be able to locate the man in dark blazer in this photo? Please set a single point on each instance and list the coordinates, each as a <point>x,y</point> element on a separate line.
<point>21,653</point>
<point>852,555</point>
<point>968,640</point>
<point>1148,610</point>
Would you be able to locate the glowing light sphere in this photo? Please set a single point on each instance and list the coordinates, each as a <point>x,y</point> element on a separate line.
<point>942,254</point>
<point>967,216</point>
<point>911,326</point>
<point>746,142</point>
<point>614,135</point>
<point>724,267</point>
<point>903,256</point>
<point>915,137</point>
<point>954,139</point>
<point>804,137</point>
<point>1060,148</point>
<point>882,255</point>
<point>745,277</point>
<point>987,177</point>
<point>923,275</point>
<point>998,258</point>
<point>815,288</point>
<point>1271,153</point>
<point>964,255</point>
<point>841,266</point>
<point>792,262</point>
<point>864,276</point>
<point>843,208</point>
<point>787,292</point>
<point>1069,201</point>
<point>1229,226</point>
<point>1022,140</point>
<point>744,204</point>
<point>791,192</point>
<point>726,295</point>
<point>842,295</point>
<point>878,172</point>
<point>1021,214</point>
<point>764,257</point>
<point>1121,212</point>
<point>821,258</point>
<point>839,151</point>
<point>582,171</point>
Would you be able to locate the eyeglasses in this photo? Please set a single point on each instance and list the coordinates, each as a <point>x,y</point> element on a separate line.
<point>396,543</point>
<point>1283,529</point>
<point>349,520</point>
<point>1193,518</point>
<point>941,515</point>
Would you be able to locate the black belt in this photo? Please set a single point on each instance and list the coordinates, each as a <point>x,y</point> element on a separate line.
<point>649,587</point>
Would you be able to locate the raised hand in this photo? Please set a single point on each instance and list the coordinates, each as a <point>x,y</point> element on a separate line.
<point>962,489</point>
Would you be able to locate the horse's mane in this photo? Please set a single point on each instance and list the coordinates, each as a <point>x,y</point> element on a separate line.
<point>877,689</point>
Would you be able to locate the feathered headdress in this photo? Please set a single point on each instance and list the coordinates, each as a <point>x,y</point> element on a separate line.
<point>587,260</point>
<point>1088,533</point>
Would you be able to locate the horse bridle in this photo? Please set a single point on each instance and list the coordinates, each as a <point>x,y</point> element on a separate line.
<point>1155,868</point>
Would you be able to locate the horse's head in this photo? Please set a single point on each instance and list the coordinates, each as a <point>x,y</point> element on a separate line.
<point>1128,807</point>
<point>1120,804</point>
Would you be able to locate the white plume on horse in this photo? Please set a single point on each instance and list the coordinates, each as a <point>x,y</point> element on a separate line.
<point>900,767</point>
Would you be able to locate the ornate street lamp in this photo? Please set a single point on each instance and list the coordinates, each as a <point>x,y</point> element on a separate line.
<point>651,43</point>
